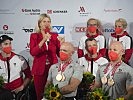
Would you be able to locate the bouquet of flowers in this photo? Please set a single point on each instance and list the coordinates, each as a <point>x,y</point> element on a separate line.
<point>97,94</point>
<point>52,92</point>
<point>88,78</point>
<point>1,82</point>
<point>120,98</point>
<point>84,87</point>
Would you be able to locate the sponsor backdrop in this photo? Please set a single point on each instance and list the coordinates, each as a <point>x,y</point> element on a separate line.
<point>18,18</point>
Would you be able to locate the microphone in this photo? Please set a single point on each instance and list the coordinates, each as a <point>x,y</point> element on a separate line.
<point>47,30</point>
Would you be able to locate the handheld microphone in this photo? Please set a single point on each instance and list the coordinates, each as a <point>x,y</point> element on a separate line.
<point>47,30</point>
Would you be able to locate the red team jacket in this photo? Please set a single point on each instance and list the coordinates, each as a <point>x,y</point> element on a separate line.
<point>41,54</point>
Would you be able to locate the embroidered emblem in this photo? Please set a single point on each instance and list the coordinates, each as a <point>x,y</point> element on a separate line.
<point>14,64</point>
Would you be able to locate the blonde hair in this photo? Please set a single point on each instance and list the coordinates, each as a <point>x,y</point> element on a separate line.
<point>41,17</point>
<point>123,21</point>
<point>98,22</point>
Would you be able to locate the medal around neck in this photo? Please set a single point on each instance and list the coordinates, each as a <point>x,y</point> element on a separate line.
<point>104,80</point>
<point>63,77</point>
<point>59,77</point>
<point>110,82</point>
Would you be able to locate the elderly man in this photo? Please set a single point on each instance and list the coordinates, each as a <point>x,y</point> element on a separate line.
<point>116,77</point>
<point>67,74</point>
<point>12,67</point>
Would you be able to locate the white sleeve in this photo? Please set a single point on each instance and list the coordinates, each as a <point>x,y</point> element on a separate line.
<point>102,42</point>
<point>128,43</point>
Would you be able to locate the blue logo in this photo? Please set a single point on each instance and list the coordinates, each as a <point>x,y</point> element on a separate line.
<point>58,29</point>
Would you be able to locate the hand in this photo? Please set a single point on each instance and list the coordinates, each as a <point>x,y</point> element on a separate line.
<point>46,36</point>
<point>18,89</point>
<point>61,39</point>
<point>92,85</point>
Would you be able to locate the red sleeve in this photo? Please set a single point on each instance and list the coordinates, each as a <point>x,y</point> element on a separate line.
<point>57,43</point>
<point>103,52</point>
<point>127,55</point>
<point>34,45</point>
<point>80,53</point>
<point>27,73</point>
<point>25,68</point>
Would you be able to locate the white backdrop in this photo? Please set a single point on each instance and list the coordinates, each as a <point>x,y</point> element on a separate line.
<point>18,18</point>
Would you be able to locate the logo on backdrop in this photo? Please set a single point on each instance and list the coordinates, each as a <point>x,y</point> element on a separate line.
<point>5,27</point>
<point>28,30</point>
<point>5,30</point>
<point>58,29</point>
<point>6,11</point>
<point>83,12</point>
<point>113,10</point>
<point>82,9</point>
<point>49,11</point>
<point>80,29</point>
<point>31,11</point>
<point>108,30</point>
<point>27,46</point>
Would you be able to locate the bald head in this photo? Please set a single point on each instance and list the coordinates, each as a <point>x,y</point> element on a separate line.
<point>116,47</point>
<point>67,45</point>
<point>117,44</point>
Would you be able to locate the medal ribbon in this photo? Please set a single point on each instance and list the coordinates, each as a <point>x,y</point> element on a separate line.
<point>63,67</point>
<point>113,69</point>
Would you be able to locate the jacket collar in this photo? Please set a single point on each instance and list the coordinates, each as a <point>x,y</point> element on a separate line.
<point>93,36</point>
<point>115,35</point>
<point>4,59</point>
<point>94,59</point>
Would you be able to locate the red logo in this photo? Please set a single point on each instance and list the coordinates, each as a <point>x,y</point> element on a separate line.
<point>5,27</point>
<point>82,9</point>
<point>80,29</point>
<point>49,11</point>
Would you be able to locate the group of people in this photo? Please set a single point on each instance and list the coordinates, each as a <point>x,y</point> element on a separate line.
<point>53,61</point>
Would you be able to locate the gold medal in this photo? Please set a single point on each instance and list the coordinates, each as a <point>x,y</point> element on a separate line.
<point>59,77</point>
<point>104,80</point>
<point>63,77</point>
<point>110,82</point>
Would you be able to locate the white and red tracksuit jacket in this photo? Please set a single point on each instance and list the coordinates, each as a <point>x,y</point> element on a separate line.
<point>12,72</point>
<point>85,62</point>
<point>100,42</point>
<point>127,43</point>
